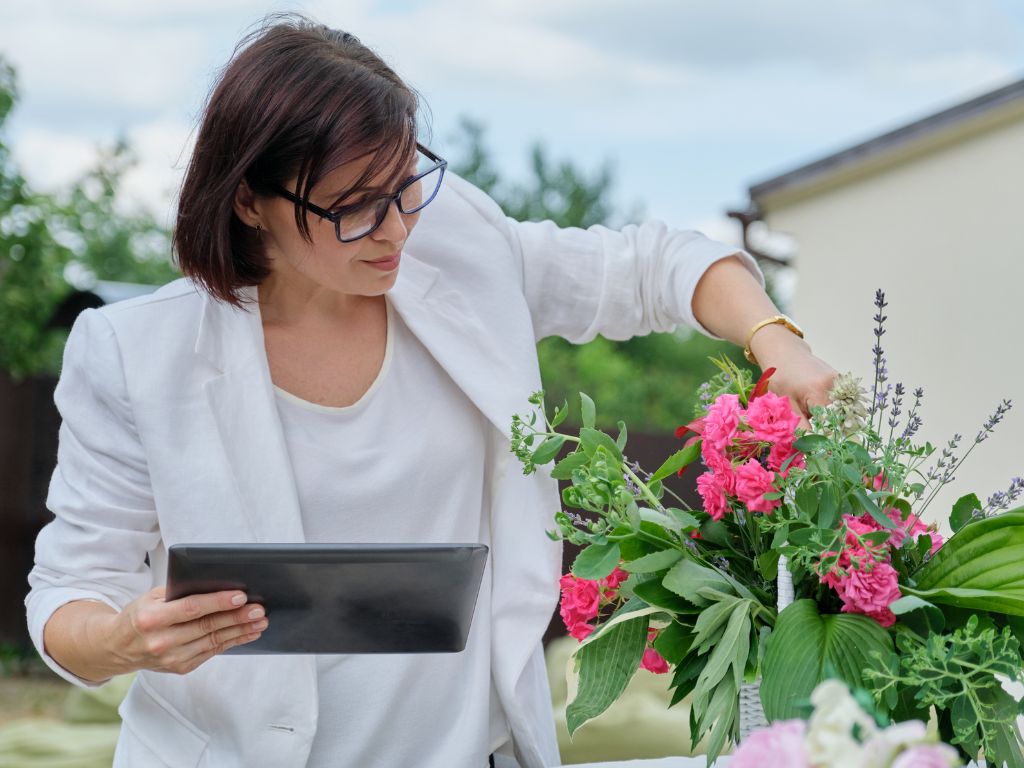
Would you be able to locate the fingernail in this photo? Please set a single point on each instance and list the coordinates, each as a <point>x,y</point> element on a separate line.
<point>260,625</point>
<point>238,600</point>
<point>255,613</point>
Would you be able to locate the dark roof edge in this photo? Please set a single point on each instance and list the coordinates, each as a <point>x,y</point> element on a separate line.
<point>912,131</point>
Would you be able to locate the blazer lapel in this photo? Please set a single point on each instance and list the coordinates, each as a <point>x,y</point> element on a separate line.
<point>488,368</point>
<point>241,398</point>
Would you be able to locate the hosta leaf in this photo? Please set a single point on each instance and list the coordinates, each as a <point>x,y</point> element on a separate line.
<point>805,645</point>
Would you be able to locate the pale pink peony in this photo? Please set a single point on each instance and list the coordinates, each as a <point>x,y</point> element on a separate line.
<point>772,419</point>
<point>721,421</point>
<point>780,745</point>
<point>752,482</point>
<point>928,756</point>
<point>654,662</point>
<point>870,592</point>
<point>710,489</point>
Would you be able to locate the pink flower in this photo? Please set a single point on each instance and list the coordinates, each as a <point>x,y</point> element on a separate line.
<point>579,630</point>
<point>780,745</point>
<point>581,602</point>
<point>709,486</point>
<point>870,590</point>
<point>718,463</point>
<point>613,580</point>
<point>782,451</point>
<point>752,482</point>
<point>721,421</point>
<point>912,526</point>
<point>772,419</point>
<point>928,756</point>
<point>654,662</point>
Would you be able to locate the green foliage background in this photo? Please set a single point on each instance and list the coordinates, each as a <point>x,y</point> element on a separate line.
<point>53,243</point>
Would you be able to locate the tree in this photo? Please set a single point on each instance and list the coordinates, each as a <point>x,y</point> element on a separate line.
<point>50,244</point>
<point>649,381</point>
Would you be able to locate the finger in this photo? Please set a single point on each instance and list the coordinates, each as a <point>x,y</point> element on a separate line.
<point>193,607</point>
<point>213,622</point>
<point>220,641</point>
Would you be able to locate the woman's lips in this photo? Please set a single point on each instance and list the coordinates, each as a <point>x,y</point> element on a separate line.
<point>386,264</point>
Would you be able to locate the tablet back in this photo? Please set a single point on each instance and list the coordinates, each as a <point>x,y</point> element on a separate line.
<point>342,598</point>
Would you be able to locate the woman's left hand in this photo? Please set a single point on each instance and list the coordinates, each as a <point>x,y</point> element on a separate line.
<point>799,375</point>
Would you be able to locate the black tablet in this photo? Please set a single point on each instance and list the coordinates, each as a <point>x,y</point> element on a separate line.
<point>342,598</point>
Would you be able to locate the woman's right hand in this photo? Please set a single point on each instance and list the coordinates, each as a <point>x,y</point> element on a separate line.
<point>178,635</point>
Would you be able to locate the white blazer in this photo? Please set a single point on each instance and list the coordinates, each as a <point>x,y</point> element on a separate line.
<point>170,434</point>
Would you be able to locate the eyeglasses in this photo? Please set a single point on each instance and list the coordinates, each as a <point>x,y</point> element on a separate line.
<point>352,222</point>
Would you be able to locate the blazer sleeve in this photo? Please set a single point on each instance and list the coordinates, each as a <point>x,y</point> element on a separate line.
<point>617,283</point>
<point>104,517</point>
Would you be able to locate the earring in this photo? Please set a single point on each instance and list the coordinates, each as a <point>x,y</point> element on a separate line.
<point>259,231</point>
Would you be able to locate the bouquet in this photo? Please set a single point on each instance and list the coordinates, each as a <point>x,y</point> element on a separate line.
<point>808,560</point>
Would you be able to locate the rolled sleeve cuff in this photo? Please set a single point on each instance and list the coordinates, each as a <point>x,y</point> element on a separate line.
<point>41,606</point>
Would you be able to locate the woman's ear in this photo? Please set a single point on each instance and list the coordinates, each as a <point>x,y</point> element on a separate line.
<point>246,205</point>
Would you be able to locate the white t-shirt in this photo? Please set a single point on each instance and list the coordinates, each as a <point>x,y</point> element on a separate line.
<point>403,464</point>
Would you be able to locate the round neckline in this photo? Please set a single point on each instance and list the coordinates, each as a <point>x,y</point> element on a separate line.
<point>337,410</point>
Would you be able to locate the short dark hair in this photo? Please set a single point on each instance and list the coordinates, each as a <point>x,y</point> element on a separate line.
<point>297,99</point>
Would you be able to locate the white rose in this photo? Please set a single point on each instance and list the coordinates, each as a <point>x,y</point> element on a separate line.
<point>830,734</point>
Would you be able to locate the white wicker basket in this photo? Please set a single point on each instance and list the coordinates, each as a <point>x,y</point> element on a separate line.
<point>751,712</point>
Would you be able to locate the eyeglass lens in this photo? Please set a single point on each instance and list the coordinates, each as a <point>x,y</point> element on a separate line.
<point>413,197</point>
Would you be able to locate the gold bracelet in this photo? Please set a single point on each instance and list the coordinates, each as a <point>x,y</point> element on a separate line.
<point>781,320</point>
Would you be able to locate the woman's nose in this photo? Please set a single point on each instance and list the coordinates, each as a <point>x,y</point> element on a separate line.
<point>393,228</point>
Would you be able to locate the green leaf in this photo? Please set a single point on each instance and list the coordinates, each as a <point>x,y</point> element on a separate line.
<point>621,440</point>
<point>981,567</point>
<point>805,645</point>
<point>655,594</point>
<point>768,565</point>
<point>810,443</point>
<point>590,439</point>
<point>684,518</point>
<point>656,561</point>
<point>711,623</point>
<point>560,414</point>
<point>963,511</point>
<point>674,642</point>
<point>871,508</point>
<point>588,412</point>
<point>547,450</point>
<point>563,469</point>
<point>606,666</point>
<point>920,615</point>
<point>677,461</point>
<point>686,578</point>
<point>1010,603</point>
<point>828,506</point>
<point>596,561</point>
<point>807,500</point>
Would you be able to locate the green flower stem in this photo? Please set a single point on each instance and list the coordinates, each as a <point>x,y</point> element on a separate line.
<point>644,489</point>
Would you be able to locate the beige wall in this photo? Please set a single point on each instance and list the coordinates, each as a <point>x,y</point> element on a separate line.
<point>943,235</point>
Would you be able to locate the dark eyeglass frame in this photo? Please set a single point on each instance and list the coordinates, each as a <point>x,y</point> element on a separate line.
<point>336,215</point>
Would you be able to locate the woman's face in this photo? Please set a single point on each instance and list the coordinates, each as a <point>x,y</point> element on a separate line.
<point>364,267</point>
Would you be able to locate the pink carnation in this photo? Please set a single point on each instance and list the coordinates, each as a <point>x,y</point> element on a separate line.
<point>780,745</point>
<point>912,526</point>
<point>870,592</point>
<point>721,421</point>
<point>772,419</point>
<point>709,487</point>
<point>654,662</point>
<point>782,451</point>
<point>752,482</point>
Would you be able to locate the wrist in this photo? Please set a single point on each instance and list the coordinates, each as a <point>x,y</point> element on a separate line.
<point>101,631</point>
<point>774,343</point>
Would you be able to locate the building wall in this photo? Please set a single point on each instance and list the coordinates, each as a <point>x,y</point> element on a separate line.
<point>943,235</point>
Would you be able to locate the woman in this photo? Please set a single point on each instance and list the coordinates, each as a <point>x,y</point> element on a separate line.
<point>326,374</point>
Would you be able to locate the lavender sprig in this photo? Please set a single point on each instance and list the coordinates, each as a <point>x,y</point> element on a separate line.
<point>877,350</point>
<point>1000,500</point>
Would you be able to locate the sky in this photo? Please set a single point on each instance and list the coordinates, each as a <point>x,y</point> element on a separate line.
<point>691,102</point>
